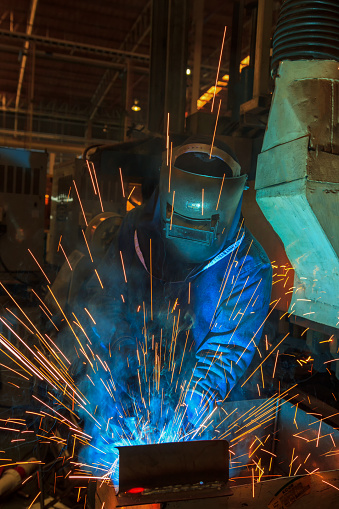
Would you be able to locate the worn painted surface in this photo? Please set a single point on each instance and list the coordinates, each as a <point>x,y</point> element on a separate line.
<point>297,182</point>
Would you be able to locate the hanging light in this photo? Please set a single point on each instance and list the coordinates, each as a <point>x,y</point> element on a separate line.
<point>136,106</point>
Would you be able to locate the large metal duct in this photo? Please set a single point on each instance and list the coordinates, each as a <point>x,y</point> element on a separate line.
<point>297,178</point>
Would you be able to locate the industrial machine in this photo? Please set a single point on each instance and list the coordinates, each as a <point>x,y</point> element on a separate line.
<point>297,179</point>
<point>22,203</point>
<point>107,179</point>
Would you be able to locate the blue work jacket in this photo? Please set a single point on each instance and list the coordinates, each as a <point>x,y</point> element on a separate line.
<point>148,296</point>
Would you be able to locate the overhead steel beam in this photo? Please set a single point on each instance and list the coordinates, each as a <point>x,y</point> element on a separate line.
<point>135,36</point>
<point>60,113</point>
<point>74,59</point>
<point>39,141</point>
<point>29,29</point>
<point>74,46</point>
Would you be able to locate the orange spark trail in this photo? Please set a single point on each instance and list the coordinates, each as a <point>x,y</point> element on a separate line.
<point>65,317</point>
<point>330,484</point>
<point>227,273</point>
<point>67,260</point>
<point>91,317</point>
<point>254,335</point>
<point>17,372</point>
<point>96,272</point>
<point>122,183</point>
<point>275,364</point>
<point>318,433</point>
<point>216,79</point>
<point>172,210</point>
<point>265,359</point>
<point>58,349</point>
<point>49,318</point>
<point>34,499</point>
<point>170,168</point>
<point>36,261</point>
<point>215,129</point>
<point>167,137</point>
<point>18,354</point>
<point>42,302</point>
<point>59,243</point>
<point>222,183</point>
<point>82,209</point>
<point>150,264</point>
<point>17,318</point>
<point>123,266</point>
<point>130,194</point>
<point>89,251</point>
<point>97,184</point>
<point>90,173</point>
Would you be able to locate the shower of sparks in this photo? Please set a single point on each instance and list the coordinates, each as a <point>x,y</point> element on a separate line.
<point>217,77</point>
<point>142,412</point>
<point>215,129</point>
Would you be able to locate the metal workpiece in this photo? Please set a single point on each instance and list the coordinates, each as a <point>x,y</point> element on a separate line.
<point>297,182</point>
<point>304,470</point>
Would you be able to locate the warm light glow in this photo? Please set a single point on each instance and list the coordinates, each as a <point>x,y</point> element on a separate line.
<point>188,71</point>
<point>221,84</point>
<point>136,106</point>
<point>244,62</point>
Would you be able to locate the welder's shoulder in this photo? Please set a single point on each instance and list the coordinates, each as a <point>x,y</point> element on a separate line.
<point>254,256</point>
<point>130,223</point>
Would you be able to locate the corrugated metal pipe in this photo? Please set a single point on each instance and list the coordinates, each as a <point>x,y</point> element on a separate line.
<point>306,30</point>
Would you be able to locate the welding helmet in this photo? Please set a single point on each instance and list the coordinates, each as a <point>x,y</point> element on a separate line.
<point>200,193</point>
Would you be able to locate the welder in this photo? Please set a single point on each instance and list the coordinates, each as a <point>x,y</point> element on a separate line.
<point>186,252</point>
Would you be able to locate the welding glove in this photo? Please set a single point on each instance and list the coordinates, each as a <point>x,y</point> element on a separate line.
<point>200,405</point>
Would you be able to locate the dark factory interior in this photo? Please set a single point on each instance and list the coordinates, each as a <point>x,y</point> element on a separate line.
<point>169,254</point>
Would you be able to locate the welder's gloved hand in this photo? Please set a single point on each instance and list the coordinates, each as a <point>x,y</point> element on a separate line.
<point>200,405</point>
